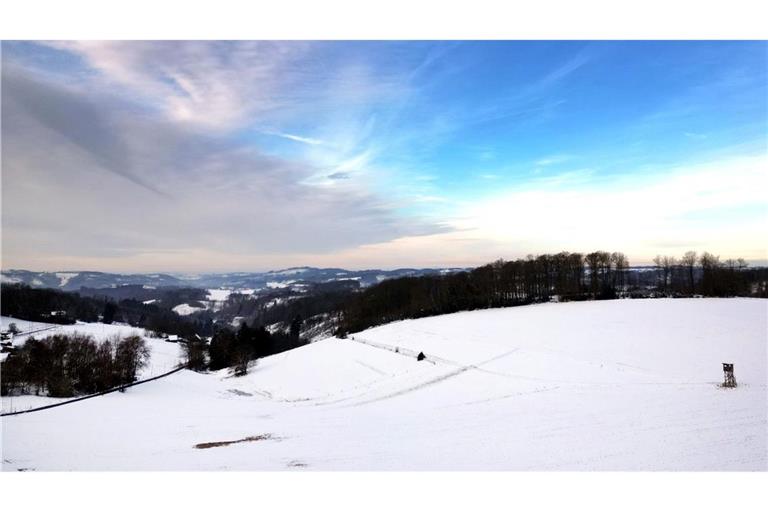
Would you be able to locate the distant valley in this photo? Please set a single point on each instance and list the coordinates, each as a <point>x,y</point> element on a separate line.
<point>296,276</point>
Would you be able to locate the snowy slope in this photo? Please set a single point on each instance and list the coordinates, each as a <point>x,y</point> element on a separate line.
<point>186,309</point>
<point>163,357</point>
<point>613,385</point>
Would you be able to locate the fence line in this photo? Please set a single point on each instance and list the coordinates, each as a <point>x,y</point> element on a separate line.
<point>94,395</point>
<point>27,333</point>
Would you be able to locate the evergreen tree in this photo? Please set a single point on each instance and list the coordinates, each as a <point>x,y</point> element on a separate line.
<point>295,329</point>
<point>110,309</point>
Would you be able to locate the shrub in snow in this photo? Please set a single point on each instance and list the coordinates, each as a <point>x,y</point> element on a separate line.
<point>194,353</point>
<point>242,358</point>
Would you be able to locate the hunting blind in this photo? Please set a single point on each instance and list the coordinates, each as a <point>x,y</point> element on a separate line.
<point>730,380</point>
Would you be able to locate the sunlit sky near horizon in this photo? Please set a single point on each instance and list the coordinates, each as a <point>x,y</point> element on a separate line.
<point>218,156</point>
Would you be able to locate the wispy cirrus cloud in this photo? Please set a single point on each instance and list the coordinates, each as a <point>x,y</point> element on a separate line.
<point>129,188</point>
<point>213,85</point>
<point>297,138</point>
<point>552,160</point>
<point>138,153</point>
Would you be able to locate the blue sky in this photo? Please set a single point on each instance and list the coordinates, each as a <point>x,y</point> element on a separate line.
<point>194,156</point>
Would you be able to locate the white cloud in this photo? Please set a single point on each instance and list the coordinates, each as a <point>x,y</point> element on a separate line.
<point>213,85</point>
<point>297,138</point>
<point>132,166</point>
<point>86,180</point>
<point>698,207</point>
<point>639,215</point>
<point>552,160</point>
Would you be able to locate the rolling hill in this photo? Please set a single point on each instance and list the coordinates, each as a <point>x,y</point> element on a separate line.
<point>599,385</point>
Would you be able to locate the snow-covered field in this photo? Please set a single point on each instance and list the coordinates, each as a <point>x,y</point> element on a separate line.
<point>218,294</point>
<point>613,385</point>
<point>186,309</point>
<point>164,356</point>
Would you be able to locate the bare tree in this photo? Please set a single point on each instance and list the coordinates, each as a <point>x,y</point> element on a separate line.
<point>131,355</point>
<point>688,261</point>
<point>620,265</point>
<point>659,262</point>
<point>665,264</point>
<point>711,278</point>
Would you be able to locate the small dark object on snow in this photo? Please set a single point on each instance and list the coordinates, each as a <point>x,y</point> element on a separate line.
<point>421,356</point>
<point>730,380</point>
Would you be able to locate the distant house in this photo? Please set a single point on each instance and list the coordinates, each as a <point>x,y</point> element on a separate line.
<point>58,315</point>
<point>175,338</point>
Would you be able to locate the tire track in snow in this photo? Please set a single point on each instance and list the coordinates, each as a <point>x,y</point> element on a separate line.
<point>477,366</point>
<point>433,359</point>
<point>410,389</point>
<point>509,395</point>
<point>397,350</point>
<point>372,368</point>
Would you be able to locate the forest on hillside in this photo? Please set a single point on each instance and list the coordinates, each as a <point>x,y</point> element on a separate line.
<point>251,326</point>
<point>563,277</point>
<point>58,307</point>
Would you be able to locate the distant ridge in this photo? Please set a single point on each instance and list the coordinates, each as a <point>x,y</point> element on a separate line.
<point>75,280</point>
